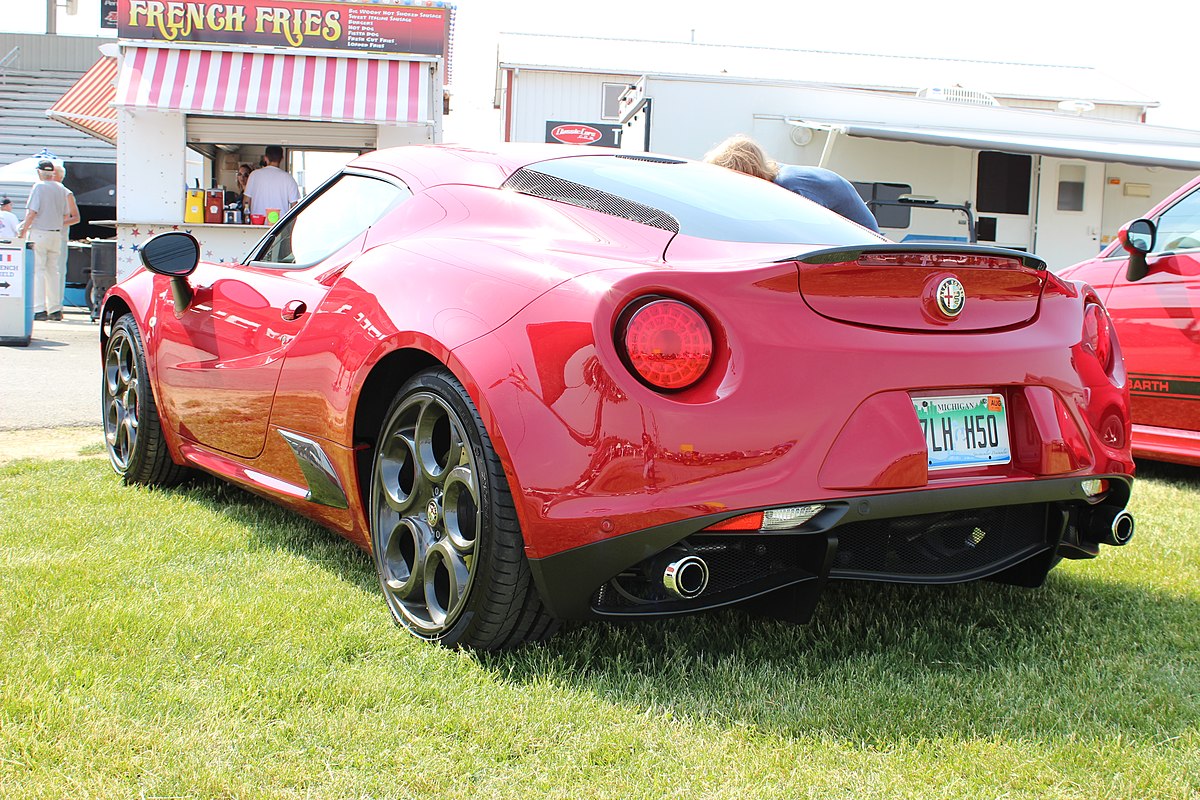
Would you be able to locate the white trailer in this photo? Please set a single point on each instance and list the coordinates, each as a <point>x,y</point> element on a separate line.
<point>1052,182</point>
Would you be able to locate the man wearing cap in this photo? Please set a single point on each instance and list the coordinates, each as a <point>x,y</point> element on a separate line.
<point>43,225</point>
<point>9,224</point>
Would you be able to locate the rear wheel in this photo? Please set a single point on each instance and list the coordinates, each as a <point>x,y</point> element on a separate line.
<point>132,431</point>
<point>444,533</point>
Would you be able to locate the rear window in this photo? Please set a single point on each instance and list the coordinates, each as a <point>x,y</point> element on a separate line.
<point>705,201</point>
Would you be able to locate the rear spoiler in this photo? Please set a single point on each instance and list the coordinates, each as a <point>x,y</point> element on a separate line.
<point>844,253</point>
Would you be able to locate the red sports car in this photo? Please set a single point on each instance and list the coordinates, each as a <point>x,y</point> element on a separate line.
<point>546,382</point>
<point>1150,280</point>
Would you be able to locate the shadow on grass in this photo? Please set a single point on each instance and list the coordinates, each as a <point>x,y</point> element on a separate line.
<point>1081,656</point>
<point>1178,476</point>
<point>274,527</point>
<point>1077,657</point>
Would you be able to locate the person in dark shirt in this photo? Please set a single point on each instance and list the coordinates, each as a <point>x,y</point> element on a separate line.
<point>822,186</point>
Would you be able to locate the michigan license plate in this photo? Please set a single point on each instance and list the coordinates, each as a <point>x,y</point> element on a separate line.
<point>964,430</point>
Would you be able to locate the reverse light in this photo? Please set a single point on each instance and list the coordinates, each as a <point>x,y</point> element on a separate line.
<point>1097,334</point>
<point>1094,487</point>
<point>668,344</point>
<point>773,519</point>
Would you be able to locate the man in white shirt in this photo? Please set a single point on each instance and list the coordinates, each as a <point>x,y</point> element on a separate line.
<point>270,186</point>
<point>44,221</point>
<point>8,220</point>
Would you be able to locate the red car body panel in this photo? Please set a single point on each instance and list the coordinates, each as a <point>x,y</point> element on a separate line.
<point>1157,319</point>
<point>808,399</point>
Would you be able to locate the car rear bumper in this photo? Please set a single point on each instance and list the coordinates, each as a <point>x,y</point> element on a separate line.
<point>1010,532</point>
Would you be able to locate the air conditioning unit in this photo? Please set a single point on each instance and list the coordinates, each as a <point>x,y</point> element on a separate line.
<point>957,94</point>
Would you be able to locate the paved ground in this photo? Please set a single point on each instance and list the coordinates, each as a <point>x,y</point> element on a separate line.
<point>55,381</point>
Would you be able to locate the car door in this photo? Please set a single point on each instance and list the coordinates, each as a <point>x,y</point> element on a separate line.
<point>219,361</point>
<point>1158,321</point>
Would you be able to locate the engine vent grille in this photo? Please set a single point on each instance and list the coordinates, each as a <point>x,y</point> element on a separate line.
<point>940,547</point>
<point>652,159</point>
<point>538,184</point>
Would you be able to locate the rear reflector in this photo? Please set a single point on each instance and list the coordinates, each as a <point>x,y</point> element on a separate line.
<point>773,519</point>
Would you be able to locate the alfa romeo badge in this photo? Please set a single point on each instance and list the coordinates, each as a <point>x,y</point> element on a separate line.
<point>951,297</point>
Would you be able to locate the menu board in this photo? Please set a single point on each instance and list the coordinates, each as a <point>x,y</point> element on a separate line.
<point>329,25</point>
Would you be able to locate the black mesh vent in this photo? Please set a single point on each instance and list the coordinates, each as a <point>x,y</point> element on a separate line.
<point>538,184</point>
<point>652,159</point>
<point>933,547</point>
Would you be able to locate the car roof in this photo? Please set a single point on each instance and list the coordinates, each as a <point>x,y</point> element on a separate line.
<point>425,166</point>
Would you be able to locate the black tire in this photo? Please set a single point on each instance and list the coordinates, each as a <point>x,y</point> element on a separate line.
<point>132,431</point>
<point>444,533</point>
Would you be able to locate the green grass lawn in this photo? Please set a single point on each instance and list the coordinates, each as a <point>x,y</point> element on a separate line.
<point>203,644</point>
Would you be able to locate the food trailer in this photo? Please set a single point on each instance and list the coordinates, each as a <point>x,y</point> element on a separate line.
<point>203,88</point>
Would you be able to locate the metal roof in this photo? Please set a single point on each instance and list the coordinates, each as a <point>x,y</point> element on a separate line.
<point>26,129</point>
<point>883,116</point>
<point>847,70</point>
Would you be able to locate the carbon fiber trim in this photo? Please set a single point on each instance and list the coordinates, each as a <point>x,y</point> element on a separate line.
<point>539,184</point>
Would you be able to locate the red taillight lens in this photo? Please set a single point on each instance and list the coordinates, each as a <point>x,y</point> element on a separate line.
<point>1097,334</point>
<point>668,344</point>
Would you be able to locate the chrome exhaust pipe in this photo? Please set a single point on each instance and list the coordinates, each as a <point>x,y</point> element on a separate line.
<point>1121,530</point>
<point>686,578</point>
<point>1112,526</point>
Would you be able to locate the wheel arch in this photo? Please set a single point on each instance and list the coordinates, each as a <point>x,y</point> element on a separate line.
<point>375,395</point>
<point>114,308</point>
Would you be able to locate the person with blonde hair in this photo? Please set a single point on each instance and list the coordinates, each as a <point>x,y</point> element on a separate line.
<point>822,186</point>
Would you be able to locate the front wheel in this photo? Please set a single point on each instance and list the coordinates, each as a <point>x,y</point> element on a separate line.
<point>444,533</point>
<point>133,434</point>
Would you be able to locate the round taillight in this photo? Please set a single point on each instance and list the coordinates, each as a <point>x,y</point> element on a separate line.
<point>1097,334</point>
<point>668,344</point>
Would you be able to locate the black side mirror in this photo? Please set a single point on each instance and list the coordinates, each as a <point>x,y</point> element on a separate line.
<point>1137,238</point>
<point>174,254</point>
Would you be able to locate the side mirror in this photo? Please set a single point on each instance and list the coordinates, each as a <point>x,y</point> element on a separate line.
<point>174,254</point>
<point>1137,238</point>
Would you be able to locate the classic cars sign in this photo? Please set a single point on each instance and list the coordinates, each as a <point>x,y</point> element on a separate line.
<point>363,27</point>
<point>594,133</point>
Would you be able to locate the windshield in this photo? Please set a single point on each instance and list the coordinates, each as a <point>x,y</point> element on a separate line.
<point>707,201</point>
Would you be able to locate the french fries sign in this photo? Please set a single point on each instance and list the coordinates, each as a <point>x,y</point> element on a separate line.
<point>374,27</point>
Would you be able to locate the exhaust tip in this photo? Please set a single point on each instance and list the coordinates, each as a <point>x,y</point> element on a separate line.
<point>686,578</point>
<point>1121,530</point>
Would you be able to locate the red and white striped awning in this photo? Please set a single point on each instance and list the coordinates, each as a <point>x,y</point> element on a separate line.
<point>278,85</point>
<point>87,106</point>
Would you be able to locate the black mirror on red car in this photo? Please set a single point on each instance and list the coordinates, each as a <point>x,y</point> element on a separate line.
<point>174,254</point>
<point>1137,238</point>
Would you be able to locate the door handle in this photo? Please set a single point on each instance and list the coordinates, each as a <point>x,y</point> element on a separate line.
<point>293,309</point>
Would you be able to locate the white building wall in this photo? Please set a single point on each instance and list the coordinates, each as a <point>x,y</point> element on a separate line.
<point>150,165</point>
<point>569,96</point>
<point>1120,207</point>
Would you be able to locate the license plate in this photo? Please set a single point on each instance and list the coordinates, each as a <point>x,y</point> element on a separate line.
<point>964,430</point>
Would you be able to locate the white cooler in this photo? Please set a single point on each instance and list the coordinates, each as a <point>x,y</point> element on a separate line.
<point>16,292</point>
